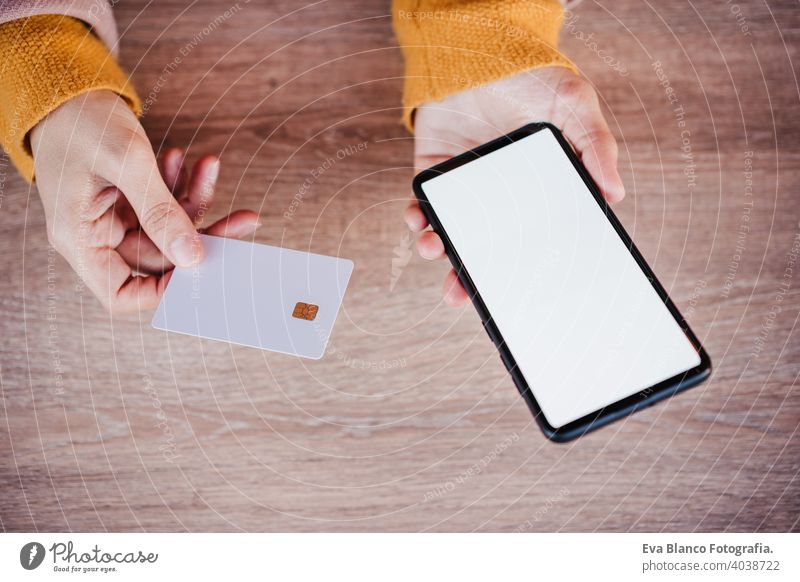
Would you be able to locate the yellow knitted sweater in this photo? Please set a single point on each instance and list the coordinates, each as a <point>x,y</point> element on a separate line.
<point>47,60</point>
<point>453,45</point>
<point>448,45</point>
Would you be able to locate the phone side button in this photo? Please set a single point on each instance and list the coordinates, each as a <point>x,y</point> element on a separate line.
<point>506,361</point>
<point>486,329</point>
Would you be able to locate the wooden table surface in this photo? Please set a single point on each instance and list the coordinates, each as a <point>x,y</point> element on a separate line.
<point>410,422</point>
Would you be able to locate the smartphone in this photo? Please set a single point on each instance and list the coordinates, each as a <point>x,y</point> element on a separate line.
<point>583,326</point>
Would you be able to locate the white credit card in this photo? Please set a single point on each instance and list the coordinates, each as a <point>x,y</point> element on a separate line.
<point>257,295</point>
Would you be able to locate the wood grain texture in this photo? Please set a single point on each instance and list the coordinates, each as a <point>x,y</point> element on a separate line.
<point>410,422</point>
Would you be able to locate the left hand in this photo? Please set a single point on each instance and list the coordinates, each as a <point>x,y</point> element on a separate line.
<point>119,219</point>
<point>466,120</point>
<point>194,188</point>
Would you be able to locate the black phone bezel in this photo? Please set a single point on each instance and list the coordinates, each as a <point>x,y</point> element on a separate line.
<point>619,409</point>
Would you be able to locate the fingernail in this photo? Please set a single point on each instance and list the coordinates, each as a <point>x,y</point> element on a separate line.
<point>177,162</point>
<point>213,170</point>
<point>186,250</point>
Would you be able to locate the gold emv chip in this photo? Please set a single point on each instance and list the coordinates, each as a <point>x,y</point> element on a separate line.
<point>307,311</point>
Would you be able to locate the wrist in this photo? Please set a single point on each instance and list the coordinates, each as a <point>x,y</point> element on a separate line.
<point>449,51</point>
<point>59,59</point>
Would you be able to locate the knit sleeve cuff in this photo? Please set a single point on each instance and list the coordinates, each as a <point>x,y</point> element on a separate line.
<point>47,60</point>
<point>451,46</point>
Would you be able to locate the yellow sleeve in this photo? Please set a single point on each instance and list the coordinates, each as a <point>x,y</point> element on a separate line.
<point>453,45</point>
<point>46,61</point>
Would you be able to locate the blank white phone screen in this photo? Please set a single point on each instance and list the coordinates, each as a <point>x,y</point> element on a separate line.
<point>580,318</point>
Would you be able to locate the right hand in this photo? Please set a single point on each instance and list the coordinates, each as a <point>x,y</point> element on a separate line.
<point>110,213</point>
<point>465,120</point>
